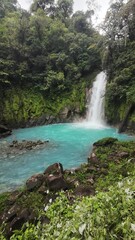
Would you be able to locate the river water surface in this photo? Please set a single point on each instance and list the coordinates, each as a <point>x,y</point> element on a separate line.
<point>70,144</point>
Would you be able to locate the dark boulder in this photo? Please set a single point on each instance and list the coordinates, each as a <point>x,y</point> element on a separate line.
<point>54,169</point>
<point>14,196</point>
<point>11,214</point>
<point>17,222</point>
<point>92,159</point>
<point>4,131</point>
<point>54,178</point>
<point>35,182</point>
<point>105,142</point>
<point>56,183</point>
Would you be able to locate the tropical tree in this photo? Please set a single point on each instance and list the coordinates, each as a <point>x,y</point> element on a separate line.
<point>65,8</point>
<point>7,6</point>
<point>48,6</point>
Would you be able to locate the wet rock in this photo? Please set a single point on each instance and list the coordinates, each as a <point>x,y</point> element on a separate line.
<point>28,145</point>
<point>18,148</point>
<point>52,179</point>
<point>35,182</point>
<point>93,160</point>
<point>56,183</point>
<point>54,169</point>
<point>105,142</point>
<point>4,131</point>
<point>13,197</point>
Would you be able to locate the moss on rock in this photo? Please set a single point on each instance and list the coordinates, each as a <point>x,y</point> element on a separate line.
<point>21,105</point>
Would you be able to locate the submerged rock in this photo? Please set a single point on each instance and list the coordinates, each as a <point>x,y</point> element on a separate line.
<point>27,145</point>
<point>17,148</point>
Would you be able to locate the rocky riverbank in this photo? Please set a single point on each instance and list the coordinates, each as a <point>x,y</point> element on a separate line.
<point>110,162</point>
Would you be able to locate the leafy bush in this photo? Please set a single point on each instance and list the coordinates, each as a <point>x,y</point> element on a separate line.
<point>3,200</point>
<point>107,215</point>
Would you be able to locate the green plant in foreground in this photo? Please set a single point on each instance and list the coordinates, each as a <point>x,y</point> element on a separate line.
<point>106,216</point>
<point>3,200</point>
<point>32,200</point>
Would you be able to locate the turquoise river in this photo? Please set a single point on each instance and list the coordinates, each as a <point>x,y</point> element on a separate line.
<point>69,144</point>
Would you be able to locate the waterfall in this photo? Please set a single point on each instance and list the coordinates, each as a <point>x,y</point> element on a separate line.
<point>96,114</point>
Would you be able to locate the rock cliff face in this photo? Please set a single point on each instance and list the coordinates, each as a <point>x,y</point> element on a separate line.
<point>121,115</point>
<point>120,92</point>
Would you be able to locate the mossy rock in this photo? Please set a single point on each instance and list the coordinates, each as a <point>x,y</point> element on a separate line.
<point>105,142</point>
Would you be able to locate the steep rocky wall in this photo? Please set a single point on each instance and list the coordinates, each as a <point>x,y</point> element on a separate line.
<point>116,113</point>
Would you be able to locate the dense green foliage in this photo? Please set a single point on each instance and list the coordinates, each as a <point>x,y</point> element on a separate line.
<point>106,216</point>
<point>119,59</point>
<point>3,199</point>
<point>49,50</point>
<point>47,56</point>
<point>20,104</point>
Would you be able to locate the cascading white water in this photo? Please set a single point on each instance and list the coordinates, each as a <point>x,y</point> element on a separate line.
<point>96,114</point>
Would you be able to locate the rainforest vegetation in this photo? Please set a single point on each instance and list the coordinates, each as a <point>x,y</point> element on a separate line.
<point>46,54</point>
<point>49,57</point>
<point>119,60</point>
